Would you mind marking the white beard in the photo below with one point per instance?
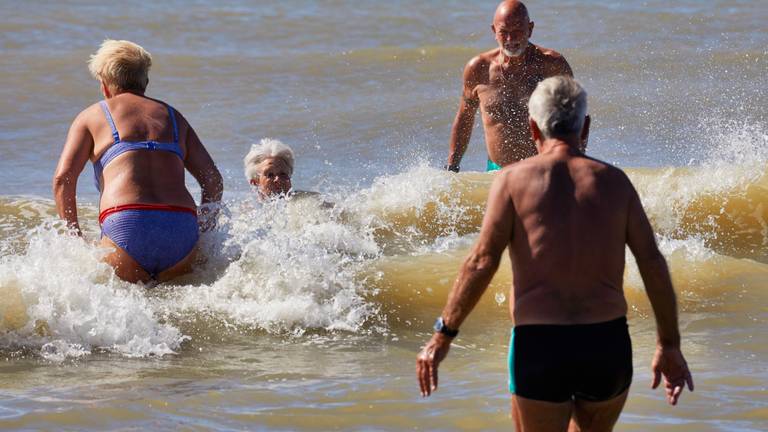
(517, 53)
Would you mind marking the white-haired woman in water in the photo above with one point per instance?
(269, 167)
(139, 148)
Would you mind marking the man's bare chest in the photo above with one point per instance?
(506, 96)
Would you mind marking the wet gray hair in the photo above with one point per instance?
(558, 106)
(265, 149)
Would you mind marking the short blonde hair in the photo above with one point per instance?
(121, 64)
(265, 149)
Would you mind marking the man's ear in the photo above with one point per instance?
(530, 29)
(585, 133)
(535, 131)
(493, 30)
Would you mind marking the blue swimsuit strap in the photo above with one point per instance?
(119, 147)
(111, 122)
(172, 115)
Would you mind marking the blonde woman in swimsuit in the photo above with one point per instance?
(140, 148)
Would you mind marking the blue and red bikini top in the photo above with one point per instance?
(119, 147)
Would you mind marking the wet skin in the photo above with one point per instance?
(566, 219)
(500, 82)
(274, 178)
(134, 177)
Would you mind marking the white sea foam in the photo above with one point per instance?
(294, 268)
(285, 266)
(60, 299)
(733, 156)
(291, 266)
(411, 189)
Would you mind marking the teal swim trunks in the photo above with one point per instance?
(492, 166)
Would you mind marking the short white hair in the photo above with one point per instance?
(265, 149)
(558, 106)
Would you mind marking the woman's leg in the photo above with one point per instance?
(180, 268)
(126, 268)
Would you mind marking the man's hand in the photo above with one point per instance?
(427, 361)
(670, 362)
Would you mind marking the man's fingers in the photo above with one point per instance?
(425, 389)
(656, 378)
(428, 377)
(675, 395)
(433, 377)
(689, 380)
(422, 377)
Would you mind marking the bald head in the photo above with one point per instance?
(512, 27)
(511, 9)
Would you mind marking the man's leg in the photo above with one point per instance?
(539, 416)
(597, 416)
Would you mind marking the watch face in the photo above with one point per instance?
(439, 324)
(441, 328)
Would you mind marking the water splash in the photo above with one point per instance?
(63, 301)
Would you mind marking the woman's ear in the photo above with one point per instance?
(105, 90)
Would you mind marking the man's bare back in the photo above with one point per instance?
(568, 237)
(500, 85)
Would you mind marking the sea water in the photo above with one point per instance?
(307, 316)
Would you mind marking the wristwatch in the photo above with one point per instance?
(440, 327)
(454, 168)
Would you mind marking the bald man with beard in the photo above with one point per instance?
(500, 82)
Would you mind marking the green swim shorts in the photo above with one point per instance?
(492, 166)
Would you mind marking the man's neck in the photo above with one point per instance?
(560, 145)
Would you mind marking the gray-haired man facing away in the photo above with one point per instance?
(566, 219)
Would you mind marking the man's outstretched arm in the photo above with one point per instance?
(668, 359)
(461, 131)
(474, 276)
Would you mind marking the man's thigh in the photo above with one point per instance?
(532, 415)
(598, 416)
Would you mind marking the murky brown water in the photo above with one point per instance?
(307, 318)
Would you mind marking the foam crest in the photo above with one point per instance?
(295, 270)
(721, 199)
(413, 188)
(62, 301)
(410, 210)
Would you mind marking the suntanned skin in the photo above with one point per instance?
(274, 178)
(134, 177)
(500, 85)
(565, 218)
